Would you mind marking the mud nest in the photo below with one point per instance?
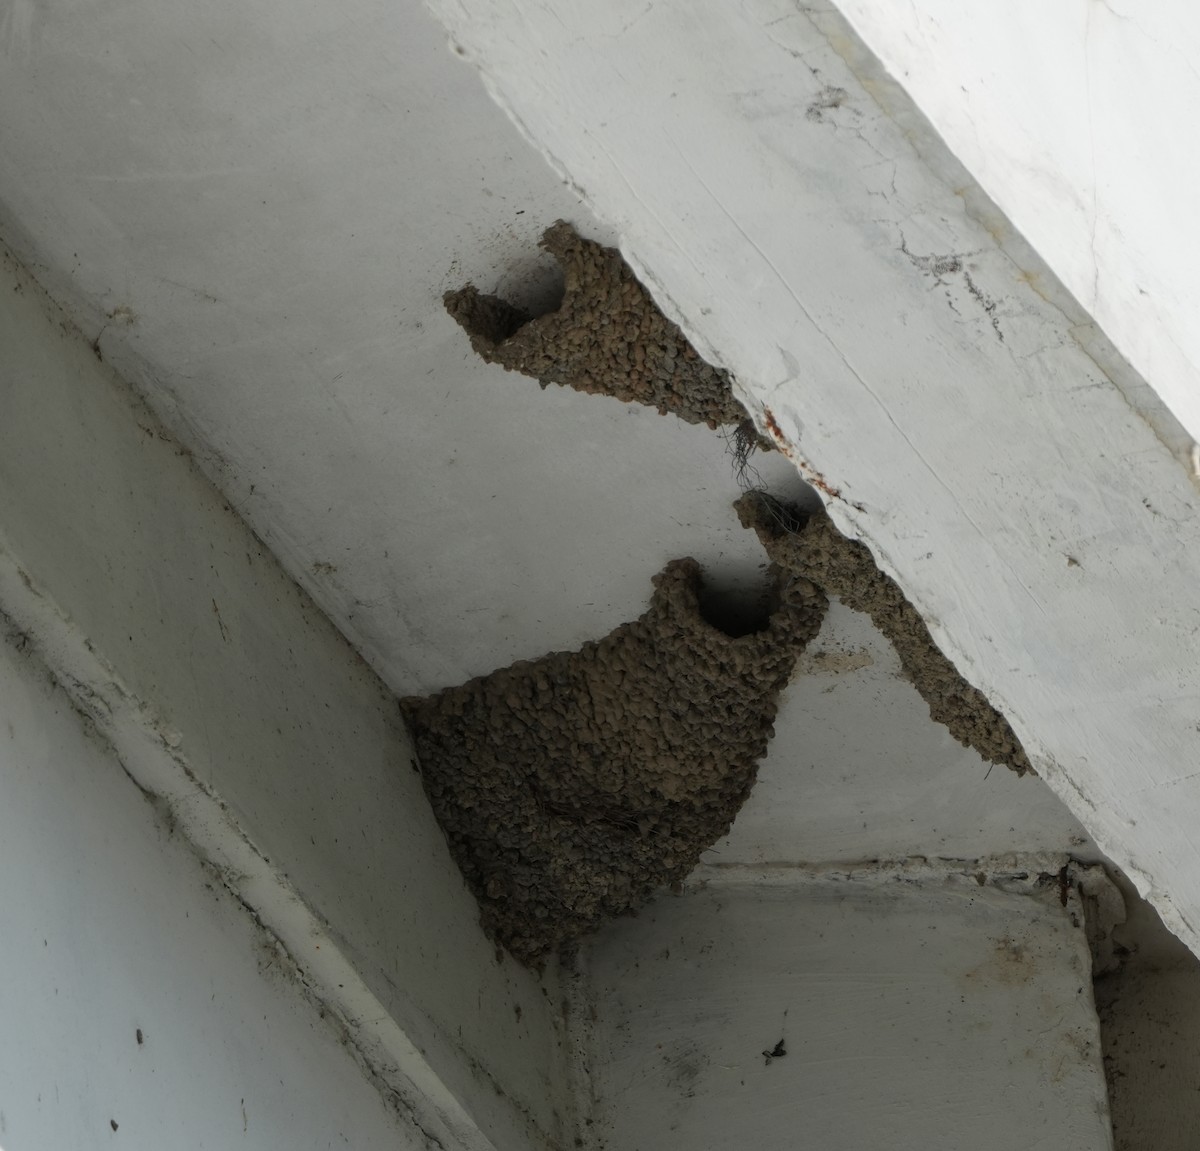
(811, 548)
(571, 787)
(607, 337)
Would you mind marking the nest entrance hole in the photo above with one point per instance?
(535, 286)
(528, 291)
(740, 609)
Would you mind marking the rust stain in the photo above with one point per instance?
(818, 481)
(811, 474)
(773, 426)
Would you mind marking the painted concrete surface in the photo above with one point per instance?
(142, 1008)
(137, 527)
(1149, 1019)
(253, 213)
(939, 1014)
(255, 210)
(1058, 111)
(285, 320)
(1148, 1023)
(163, 611)
(858, 771)
(943, 395)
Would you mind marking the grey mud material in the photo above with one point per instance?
(571, 787)
(607, 337)
(812, 549)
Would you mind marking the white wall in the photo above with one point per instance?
(259, 725)
(857, 770)
(917, 1009)
(1069, 114)
(114, 930)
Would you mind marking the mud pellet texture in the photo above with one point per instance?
(571, 787)
(813, 549)
(607, 337)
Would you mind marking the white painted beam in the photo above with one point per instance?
(811, 234)
(1068, 116)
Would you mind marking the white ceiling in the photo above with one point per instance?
(258, 210)
(857, 771)
(255, 210)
